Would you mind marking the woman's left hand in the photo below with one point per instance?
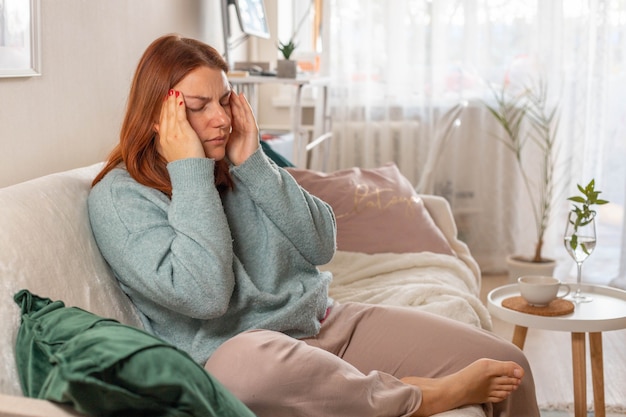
(244, 137)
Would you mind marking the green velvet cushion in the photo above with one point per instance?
(104, 368)
(280, 160)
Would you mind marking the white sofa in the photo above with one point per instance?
(47, 247)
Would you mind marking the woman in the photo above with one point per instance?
(217, 247)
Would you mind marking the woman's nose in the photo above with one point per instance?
(221, 117)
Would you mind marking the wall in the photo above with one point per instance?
(71, 114)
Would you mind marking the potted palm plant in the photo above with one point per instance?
(528, 118)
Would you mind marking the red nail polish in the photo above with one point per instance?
(177, 93)
(181, 103)
(171, 92)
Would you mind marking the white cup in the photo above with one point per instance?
(540, 290)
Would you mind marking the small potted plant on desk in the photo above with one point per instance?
(527, 118)
(286, 68)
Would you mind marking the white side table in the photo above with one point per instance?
(606, 312)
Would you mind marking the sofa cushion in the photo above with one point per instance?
(102, 367)
(377, 210)
(278, 159)
(47, 246)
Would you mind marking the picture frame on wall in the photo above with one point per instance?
(19, 38)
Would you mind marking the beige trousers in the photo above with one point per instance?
(352, 367)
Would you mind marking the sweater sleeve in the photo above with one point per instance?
(176, 254)
(304, 219)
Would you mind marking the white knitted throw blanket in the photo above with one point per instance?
(440, 284)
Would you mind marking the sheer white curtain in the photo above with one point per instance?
(410, 78)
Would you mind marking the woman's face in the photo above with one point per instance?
(207, 99)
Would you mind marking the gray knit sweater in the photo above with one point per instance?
(200, 268)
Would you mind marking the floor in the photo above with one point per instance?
(549, 354)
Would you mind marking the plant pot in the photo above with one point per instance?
(286, 68)
(518, 266)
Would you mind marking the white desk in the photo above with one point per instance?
(249, 85)
(606, 312)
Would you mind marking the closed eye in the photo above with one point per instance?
(225, 101)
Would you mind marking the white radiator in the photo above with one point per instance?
(372, 144)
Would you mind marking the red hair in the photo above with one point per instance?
(164, 63)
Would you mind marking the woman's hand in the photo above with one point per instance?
(177, 139)
(244, 136)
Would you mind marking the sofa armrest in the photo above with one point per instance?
(14, 406)
(441, 213)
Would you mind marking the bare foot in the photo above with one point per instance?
(483, 381)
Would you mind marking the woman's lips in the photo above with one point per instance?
(218, 140)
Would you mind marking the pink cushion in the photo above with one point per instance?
(377, 210)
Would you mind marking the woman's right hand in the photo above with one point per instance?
(177, 139)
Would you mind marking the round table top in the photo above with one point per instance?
(606, 312)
